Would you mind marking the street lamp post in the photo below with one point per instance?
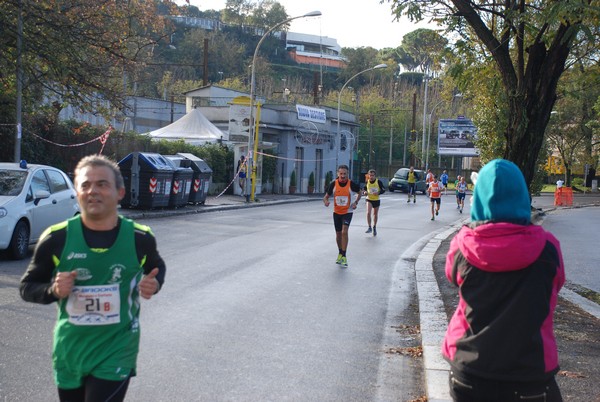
(338, 137)
(253, 134)
(424, 118)
(429, 133)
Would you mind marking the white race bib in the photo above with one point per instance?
(342, 200)
(94, 305)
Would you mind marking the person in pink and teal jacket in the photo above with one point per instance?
(500, 341)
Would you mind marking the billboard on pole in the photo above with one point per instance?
(457, 137)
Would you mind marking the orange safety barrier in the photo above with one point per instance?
(563, 197)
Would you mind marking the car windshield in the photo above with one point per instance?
(401, 174)
(12, 181)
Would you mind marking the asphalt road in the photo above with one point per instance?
(577, 231)
(254, 308)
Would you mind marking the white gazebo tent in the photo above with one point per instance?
(193, 128)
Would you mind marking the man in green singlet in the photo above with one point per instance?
(95, 267)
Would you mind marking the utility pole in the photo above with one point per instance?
(371, 139)
(205, 64)
(18, 134)
(391, 138)
(424, 122)
(413, 130)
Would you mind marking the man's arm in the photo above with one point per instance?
(150, 259)
(37, 283)
(328, 193)
(355, 188)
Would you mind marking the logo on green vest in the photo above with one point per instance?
(83, 274)
(116, 273)
(80, 256)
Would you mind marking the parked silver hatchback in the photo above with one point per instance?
(32, 197)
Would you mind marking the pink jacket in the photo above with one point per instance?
(508, 276)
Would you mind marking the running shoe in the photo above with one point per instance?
(458, 207)
(407, 201)
(369, 230)
(414, 200)
(344, 262)
(374, 231)
(437, 212)
(433, 218)
(461, 210)
(339, 259)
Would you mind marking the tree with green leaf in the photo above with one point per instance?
(569, 130)
(529, 44)
(425, 48)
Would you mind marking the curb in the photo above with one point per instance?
(150, 214)
(432, 316)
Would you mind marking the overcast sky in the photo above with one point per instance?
(353, 23)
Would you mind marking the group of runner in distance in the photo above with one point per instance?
(342, 189)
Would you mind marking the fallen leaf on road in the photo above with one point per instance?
(407, 329)
(571, 374)
(415, 352)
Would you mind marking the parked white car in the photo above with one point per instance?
(32, 197)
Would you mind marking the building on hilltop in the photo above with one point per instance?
(209, 24)
(305, 49)
(315, 50)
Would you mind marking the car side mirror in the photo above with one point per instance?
(40, 195)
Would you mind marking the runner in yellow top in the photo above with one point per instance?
(373, 189)
(412, 184)
(435, 194)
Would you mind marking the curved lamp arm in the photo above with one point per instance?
(252, 142)
(377, 67)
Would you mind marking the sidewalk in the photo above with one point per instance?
(221, 203)
(437, 301)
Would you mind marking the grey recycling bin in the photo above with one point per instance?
(201, 178)
(148, 179)
(182, 182)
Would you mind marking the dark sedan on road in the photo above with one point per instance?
(400, 181)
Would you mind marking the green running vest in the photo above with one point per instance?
(99, 322)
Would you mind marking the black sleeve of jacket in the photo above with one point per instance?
(330, 188)
(381, 188)
(355, 187)
(146, 247)
(36, 283)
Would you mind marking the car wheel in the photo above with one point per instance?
(19, 243)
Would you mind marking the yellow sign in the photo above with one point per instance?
(554, 165)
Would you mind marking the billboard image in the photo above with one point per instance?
(457, 137)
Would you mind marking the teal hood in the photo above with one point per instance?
(501, 194)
